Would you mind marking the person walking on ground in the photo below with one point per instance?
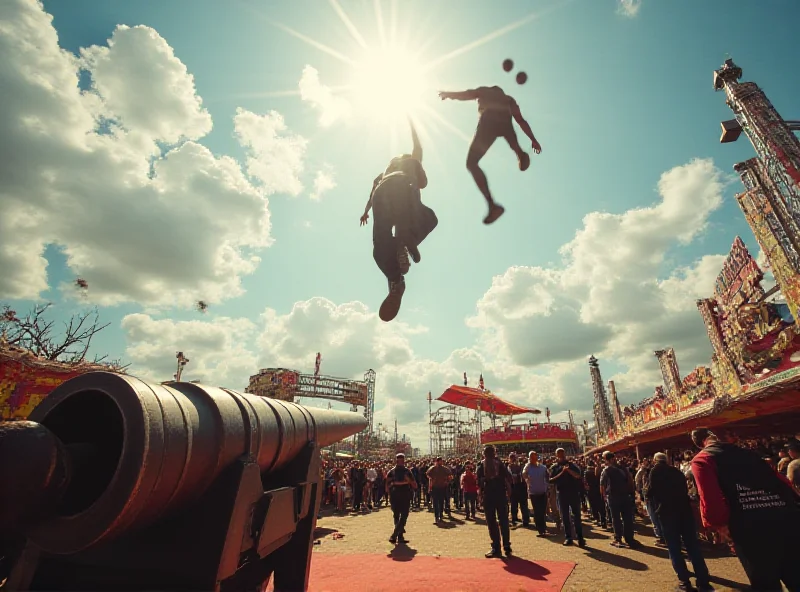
(438, 481)
(640, 481)
(400, 484)
(597, 506)
(666, 492)
(496, 110)
(519, 493)
(535, 475)
(752, 505)
(494, 481)
(617, 487)
(567, 478)
(469, 485)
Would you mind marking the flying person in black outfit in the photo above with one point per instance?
(496, 110)
(396, 201)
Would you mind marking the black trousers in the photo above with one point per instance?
(519, 500)
(539, 504)
(496, 512)
(567, 502)
(770, 556)
(396, 204)
(596, 506)
(400, 499)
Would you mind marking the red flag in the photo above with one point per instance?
(317, 364)
(480, 382)
(465, 379)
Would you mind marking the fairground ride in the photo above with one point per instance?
(289, 385)
(455, 427)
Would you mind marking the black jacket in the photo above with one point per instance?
(666, 488)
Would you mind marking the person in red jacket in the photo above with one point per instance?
(752, 505)
(469, 485)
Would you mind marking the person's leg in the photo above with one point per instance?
(563, 508)
(539, 503)
(654, 519)
(491, 510)
(672, 536)
(523, 502)
(438, 503)
(688, 531)
(615, 506)
(575, 505)
(514, 505)
(761, 560)
(505, 532)
(523, 158)
(404, 504)
(485, 136)
(627, 520)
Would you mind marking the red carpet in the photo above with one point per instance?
(418, 573)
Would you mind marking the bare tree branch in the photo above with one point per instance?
(35, 333)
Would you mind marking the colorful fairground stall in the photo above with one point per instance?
(750, 389)
(492, 420)
(752, 386)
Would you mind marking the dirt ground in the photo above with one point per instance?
(600, 567)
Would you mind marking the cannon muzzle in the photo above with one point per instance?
(134, 451)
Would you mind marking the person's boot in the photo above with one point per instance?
(402, 259)
(493, 553)
(508, 551)
(391, 304)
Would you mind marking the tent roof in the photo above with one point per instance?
(463, 396)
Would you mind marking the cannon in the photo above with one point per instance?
(115, 483)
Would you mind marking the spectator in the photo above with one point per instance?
(667, 493)
(567, 479)
(535, 476)
(617, 487)
(751, 505)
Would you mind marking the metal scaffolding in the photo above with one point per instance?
(454, 431)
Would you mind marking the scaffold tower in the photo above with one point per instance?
(453, 431)
(771, 201)
(603, 418)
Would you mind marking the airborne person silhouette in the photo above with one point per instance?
(396, 202)
(497, 110)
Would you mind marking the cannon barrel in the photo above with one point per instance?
(137, 450)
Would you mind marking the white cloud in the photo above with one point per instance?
(218, 350)
(276, 158)
(88, 171)
(630, 8)
(331, 107)
(145, 87)
(324, 181)
(606, 298)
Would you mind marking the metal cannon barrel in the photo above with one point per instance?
(138, 450)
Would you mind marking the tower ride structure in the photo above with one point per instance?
(771, 200)
(603, 418)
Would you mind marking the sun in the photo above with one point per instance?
(388, 83)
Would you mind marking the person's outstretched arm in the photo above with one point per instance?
(416, 151)
(463, 95)
(537, 148)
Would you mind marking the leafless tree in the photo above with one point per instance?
(36, 333)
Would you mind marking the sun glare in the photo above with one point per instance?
(389, 83)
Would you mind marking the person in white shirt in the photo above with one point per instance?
(372, 475)
(535, 476)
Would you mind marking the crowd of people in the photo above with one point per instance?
(743, 494)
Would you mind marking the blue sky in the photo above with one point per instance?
(615, 99)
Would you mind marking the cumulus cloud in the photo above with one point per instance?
(324, 181)
(331, 108)
(145, 86)
(606, 298)
(114, 177)
(219, 351)
(630, 8)
(276, 154)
